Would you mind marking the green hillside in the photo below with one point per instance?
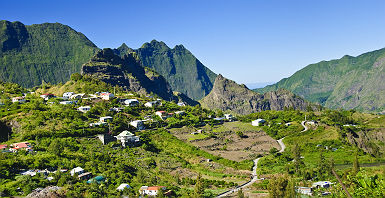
(349, 82)
(183, 71)
(50, 52)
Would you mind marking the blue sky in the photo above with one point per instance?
(247, 41)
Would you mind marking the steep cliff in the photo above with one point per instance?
(49, 52)
(184, 72)
(228, 95)
(127, 72)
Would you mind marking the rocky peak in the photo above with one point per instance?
(228, 95)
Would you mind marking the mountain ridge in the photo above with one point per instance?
(228, 95)
(184, 72)
(349, 82)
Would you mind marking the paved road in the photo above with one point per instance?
(304, 126)
(254, 174)
(283, 147)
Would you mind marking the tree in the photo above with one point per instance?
(240, 193)
(297, 158)
(281, 186)
(199, 188)
(56, 147)
(239, 133)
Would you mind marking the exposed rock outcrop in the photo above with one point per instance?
(228, 95)
(370, 140)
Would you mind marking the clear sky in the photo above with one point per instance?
(245, 40)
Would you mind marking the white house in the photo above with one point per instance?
(47, 96)
(18, 99)
(161, 114)
(305, 190)
(66, 102)
(67, 95)
(258, 122)
(105, 119)
(78, 170)
(153, 103)
(131, 102)
(106, 95)
(127, 138)
(138, 124)
(151, 190)
(312, 122)
(322, 184)
(84, 109)
(181, 104)
(77, 96)
(122, 187)
(180, 113)
(229, 117)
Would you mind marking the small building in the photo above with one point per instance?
(312, 122)
(305, 190)
(258, 122)
(21, 146)
(18, 99)
(106, 138)
(180, 113)
(288, 124)
(66, 102)
(151, 190)
(181, 104)
(161, 114)
(116, 109)
(3, 147)
(47, 96)
(229, 117)
(77, 96)
(152, 104)
(105, 119)
(98, 124)
(123, 186)
(131, 102)
(138, 124)
(106, 96)
(127, 138)
(322, 184)
(84, 176)
(98, 179)
(67, 95)
(78, 170)
(84, 109)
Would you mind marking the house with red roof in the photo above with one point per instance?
(106, 95)
(3, 147)
(151, 190)
(21, 146)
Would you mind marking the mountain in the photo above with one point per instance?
(349, 82)
(184, 72)
(228, 95)
(128, 73)
(50, 52)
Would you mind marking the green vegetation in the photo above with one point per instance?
(349, 82)
(62, 139)
(49, 52)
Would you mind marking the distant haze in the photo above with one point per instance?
(258, 85)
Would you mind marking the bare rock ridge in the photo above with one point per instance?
(127, 72)
(228, 95)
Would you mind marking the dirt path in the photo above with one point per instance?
(254, 175)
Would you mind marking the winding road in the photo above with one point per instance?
(254, 174)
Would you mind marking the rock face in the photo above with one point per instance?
(228, 95)
(127, 72)
(182, 70)
(50, 52)
(47, 192)
(349, 82)
(370, 140)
